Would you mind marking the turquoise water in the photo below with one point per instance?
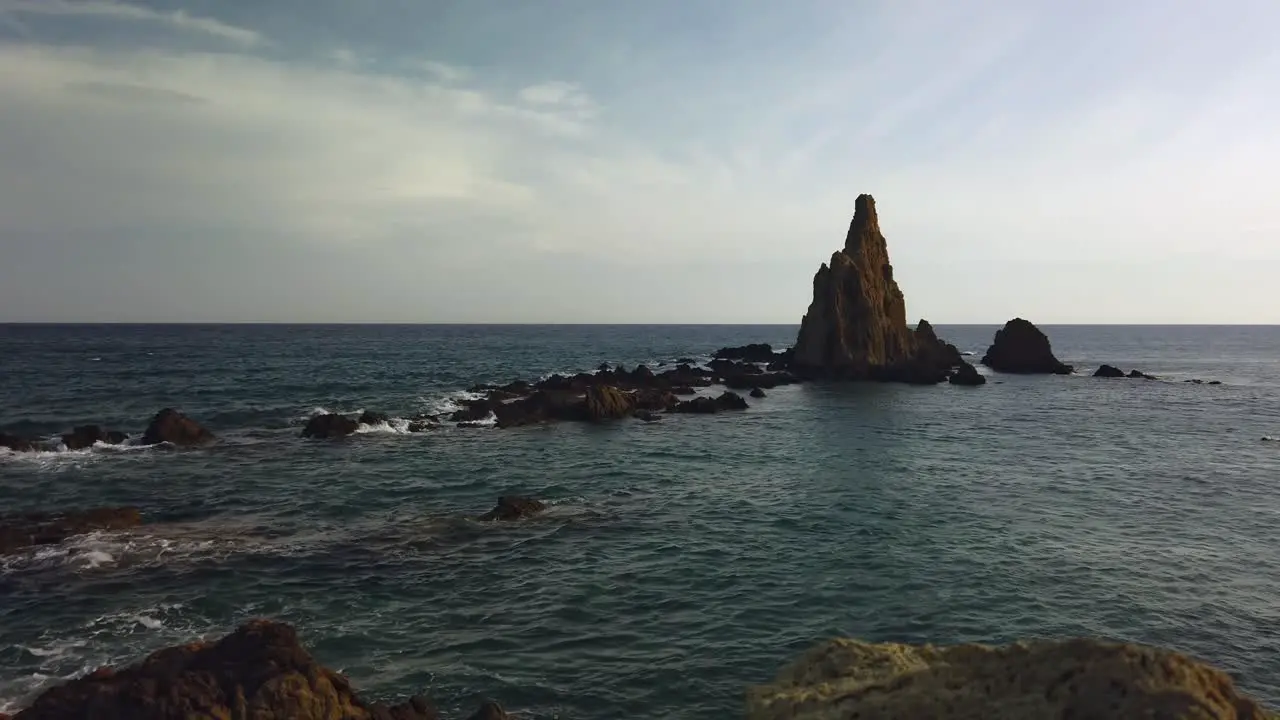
(681, 560)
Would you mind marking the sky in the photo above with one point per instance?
(666, 161)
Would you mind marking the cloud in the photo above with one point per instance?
(552, 93)
(109, 10)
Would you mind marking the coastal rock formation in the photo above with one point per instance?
(513, 507)
(369, 417)
(17, 443)
(25, 530)
(1020, 347)
(847, 678)
(968, 375)
(259, 672)
(606, 402)
(1139, 375)
(1109, 371)
(707, 406)
(856, 325)
(754, 352)
(173, 427)
(757, 393)
(329, 426)
(86, 436)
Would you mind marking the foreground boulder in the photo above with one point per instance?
(259, 672)
(513, 507)
(856, 325)
(1020, 347)
(173, 427)
(86, 436)
(26, 530)
(1026, 681)
(967, 375)
(329, 426)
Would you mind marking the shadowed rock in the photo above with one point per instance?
(1026, 681)
(17, 443)
(757, 393)
(1139, 375)
(329, 426)
(1020, 347)
(259, 672)
(967, 375)
(1108, 371)
(173, 427)
(25, 530)
(513, 507)
(369, 417)
(755, 353)
(86, 436)
(708, 406)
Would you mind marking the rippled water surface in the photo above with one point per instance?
(681, 560)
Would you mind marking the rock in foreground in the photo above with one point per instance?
(967, 375)
(259, 672)
(1072, 679)
(20, 531)
(329, 426)
(1020, 347)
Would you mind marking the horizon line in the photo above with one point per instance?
(291, 323)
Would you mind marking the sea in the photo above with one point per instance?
(680, 561)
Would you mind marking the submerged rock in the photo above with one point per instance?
(1139, 375)
(86, 436)
(513, 507)
(1020, 347)
(329, 426)
(1109, 371)
(647, 416)
(968, 375)
(173, 427)
(369, 417)
(25, 530)
(17, 443)
(260, 672)
(1091, 679)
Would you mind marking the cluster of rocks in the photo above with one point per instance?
(1078, 678)
(1111, 371)
(167, 426)
(25, 530)
(260, 670)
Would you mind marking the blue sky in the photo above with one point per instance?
(658, 161)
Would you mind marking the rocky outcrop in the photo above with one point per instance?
(1026, 681)
(369, 417)
(967, 375)
(754, 352)
(259, 672)
(329, 426)
(707, 405)
(758, 393)
(1139, 375)
(513, 507)
(606, 402)
(17, 443)
(173, 427)
(1020, 347)
(1108, 371)
(28, 529)
(86, 436)
(856, 325)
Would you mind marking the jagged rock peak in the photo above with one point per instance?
(864, 229)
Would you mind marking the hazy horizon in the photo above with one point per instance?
(565, 162)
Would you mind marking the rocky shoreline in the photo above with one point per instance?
(262, 670)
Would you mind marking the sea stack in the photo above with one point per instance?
(1020, 347)
(856, 326)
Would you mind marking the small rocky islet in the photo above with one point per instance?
(855, 329)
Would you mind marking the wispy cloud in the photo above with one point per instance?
(110, 10)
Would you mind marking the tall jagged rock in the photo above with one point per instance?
(856, 325)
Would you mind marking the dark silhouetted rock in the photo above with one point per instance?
(730, 368)
(542, 406)
(757, 393)
(647, 416)
(16, 443)
(968, 375)
(1215, 382)
(683, 390)
(489, 710)
(856, 325)
(707, 406)
(1139, 375)
(513, 507)
(1021, 348)
(329, 426)
(474, 410)
(418, 426)
(19, 531)
(655, 399)
(767, 380)
(86, 436)
(259, 672)
(642, 375)
(1109, 371)
(686, 361)
(173, 427)
(368, 417)
(754, 353)
(607, 403)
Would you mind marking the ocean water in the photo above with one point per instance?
(681, 560)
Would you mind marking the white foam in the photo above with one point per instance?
(393, 426)
(1268, 438)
